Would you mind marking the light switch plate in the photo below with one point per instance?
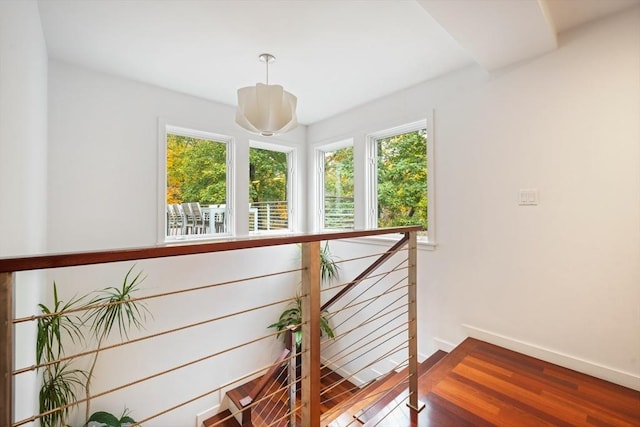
(528, 197)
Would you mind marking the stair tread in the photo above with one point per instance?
(380, 391)
(222, 419)
(355, 400)
(372, 412)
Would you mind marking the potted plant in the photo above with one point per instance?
(291, 317)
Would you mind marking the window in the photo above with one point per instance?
(336, 193)
(270, 188)
(197, 192)
(397, 177)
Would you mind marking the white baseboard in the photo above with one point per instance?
(597, 370)
(204, 415)
(444, 345)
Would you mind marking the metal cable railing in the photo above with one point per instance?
(203, 329)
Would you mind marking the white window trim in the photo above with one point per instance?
(292, 199)
(319, 154)
(427, 242)
(167, 127)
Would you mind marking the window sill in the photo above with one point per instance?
(199, 239)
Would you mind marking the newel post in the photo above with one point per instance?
(311, 334)
(413, 322)
(6, 349)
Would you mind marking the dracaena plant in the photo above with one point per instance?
(113, 308)
(109, 309)
(59, 379)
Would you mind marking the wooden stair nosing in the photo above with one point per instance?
(371, 394)
(371, 412)
(348, 404)
(221, 419)
(436, 373)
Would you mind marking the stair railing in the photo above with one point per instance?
(311, 362)
(369, 335)
(307, 410)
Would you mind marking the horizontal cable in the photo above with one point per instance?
(141, 380)
(148, 297)
(135, 340)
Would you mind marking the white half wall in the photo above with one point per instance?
(563, 275)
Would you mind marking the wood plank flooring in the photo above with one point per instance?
(479, 384)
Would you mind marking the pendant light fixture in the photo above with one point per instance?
(266, 109)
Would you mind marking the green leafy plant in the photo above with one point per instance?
(109, 309)
(106, 419)
(113, 307)
(291, 317)
(328, 267)
(59, 380)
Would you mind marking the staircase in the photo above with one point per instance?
(477, 384)
(341, 405)
(369, 400)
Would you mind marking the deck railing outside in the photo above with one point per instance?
(372, 309)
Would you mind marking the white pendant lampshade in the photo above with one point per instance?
(266, 109)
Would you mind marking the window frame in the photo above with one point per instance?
(292, 195)
(371, 176)
(165, 128)
(319, 155)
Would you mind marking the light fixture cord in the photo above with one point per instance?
(267, 64)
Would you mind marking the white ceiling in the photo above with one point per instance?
(332, 54)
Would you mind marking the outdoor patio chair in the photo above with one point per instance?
(188, 220)
(199, 222)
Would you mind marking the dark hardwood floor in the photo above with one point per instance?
(479, 384)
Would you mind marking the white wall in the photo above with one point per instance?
(23, 153)
(560, 280)
(103, 164)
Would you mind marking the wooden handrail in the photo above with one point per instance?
(365, 273)
(99, 257)
(259, 387)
